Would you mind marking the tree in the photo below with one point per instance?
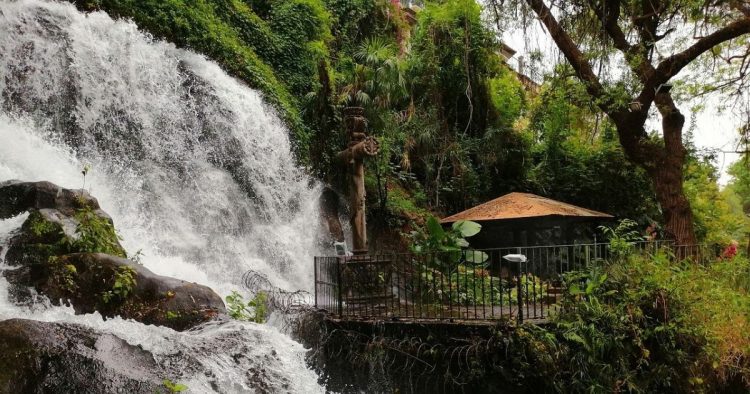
(635, 31)
(456, 133)
(739, 188)
(576, 160)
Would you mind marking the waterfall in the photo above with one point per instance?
(196, 171)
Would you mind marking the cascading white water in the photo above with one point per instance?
(191, 164)
(196, 171)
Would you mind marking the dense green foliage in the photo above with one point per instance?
(577, 157)
(718, 214)
(94, 234)
(737, 195)
(643, 325)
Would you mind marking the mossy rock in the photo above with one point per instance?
(17, 197)
(48, 233)
(60, 221)
(68, 250)
(89, 282)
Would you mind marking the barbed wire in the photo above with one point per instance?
(280, 300)
(414, 357)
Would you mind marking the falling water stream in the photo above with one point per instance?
(196, 171)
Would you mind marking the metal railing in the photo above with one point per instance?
(461, 285)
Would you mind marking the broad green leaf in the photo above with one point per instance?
(467, 228)
(476, 256)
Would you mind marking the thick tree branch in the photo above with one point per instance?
(609, 15)
(672, 123)
(672, 65)
(575, 57)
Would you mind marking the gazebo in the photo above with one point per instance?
(523, 219)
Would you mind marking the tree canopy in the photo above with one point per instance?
(648, 44)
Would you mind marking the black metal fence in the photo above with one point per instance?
(462, 284)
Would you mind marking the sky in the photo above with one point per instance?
(714, 130)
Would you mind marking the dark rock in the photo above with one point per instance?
(17, 197)
(42, 235)
(56, 252)
(88, 281)
(42, 357)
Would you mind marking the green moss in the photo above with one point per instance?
(40, 227)
(94, 234)
(62, 276)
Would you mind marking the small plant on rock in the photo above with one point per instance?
(173, 387)
(124, 282)
(95, 234)
(85, 171)
(137, 257)
(62, 275)
(171, 315)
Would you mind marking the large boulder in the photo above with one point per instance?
(42, 357)
(116, 286)
(17, 197)
(68, 250)
(49, 232)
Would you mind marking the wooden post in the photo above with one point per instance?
(329, 209)
(360, 146)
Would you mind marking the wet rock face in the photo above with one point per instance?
(17, 197)
(42, 357)
(58, 253)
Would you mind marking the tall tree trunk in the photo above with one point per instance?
(678, 217)
(664, 163)
(668, 175)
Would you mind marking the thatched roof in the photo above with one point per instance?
(523, 205)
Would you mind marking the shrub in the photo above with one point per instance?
(647, 324)
(255, 310)
(94, 234)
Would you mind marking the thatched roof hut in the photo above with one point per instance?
(523, 219)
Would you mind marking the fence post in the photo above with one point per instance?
(315, 269)
(518, 259)
(519, 293)
(341, 285)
